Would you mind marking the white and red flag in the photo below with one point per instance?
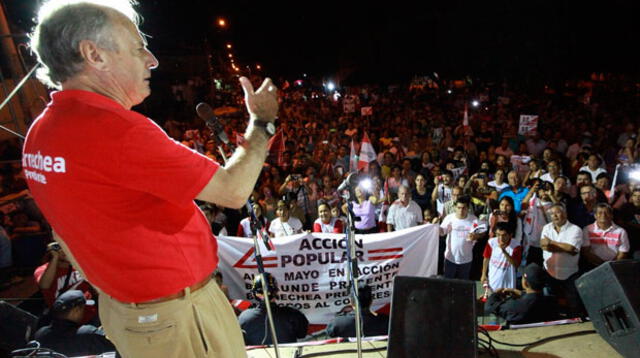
(367, 153)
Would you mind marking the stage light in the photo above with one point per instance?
(228, 45)
(222, 22)
(635, 175)
(475, 103)
(366, 184)
(449, 91)
(331, 86)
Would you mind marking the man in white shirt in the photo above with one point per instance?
(593, 167)
(462, 230)
(561, 242)
(404, 212)
(603, 240)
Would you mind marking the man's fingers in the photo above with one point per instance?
(247, 87)
(268, 86)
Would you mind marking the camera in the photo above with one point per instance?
(295, 177)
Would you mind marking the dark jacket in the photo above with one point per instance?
(290, 324)
(344, 325)
(72, 339)
(529, 308)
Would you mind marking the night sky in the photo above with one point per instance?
(390, 41)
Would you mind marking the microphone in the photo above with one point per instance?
(205, 112)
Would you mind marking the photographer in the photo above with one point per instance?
(297, 189)
(66, 334)
(527, 306)
(58, 276)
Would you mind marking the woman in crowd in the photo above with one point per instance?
(535, 170)
(629, 153)
(365, 208)
(284, 224)
(244, 227)
(498, 181)
(421, 194)
(505, 213)
(325, 222)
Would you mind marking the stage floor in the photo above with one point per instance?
(582, 346)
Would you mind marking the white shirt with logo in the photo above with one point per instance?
(459, 249)
(502, 274)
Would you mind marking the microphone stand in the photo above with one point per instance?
(352, 267)
(258, 226)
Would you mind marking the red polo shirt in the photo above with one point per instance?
(120, 193)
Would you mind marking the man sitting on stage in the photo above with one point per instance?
(373, 324)
(290, 323)
(66, 335)
(519, 307)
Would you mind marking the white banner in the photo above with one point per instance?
(311, 268)
(528, 124)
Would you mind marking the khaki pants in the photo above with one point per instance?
(200, 324)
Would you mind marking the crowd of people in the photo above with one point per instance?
(564, 198)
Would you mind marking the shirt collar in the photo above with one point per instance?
(92, 98)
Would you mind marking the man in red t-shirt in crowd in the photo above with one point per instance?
(119, 193)
(57, 276)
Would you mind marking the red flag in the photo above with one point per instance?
(367, 153)
(276, 147)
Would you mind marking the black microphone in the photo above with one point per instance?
(205, 112)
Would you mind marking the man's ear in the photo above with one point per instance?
(93, 55)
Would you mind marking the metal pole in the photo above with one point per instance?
(259, 262)
(352, 269)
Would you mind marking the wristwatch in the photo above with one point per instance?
(269, 127)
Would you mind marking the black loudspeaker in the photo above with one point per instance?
(611, 294)
(16, 326)
(432, 317)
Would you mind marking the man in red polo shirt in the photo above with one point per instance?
(119, 192)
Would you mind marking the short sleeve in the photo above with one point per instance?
(624, 241)
(586, 242)
(487, 251)
(152, 162)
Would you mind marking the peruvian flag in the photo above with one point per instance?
(367, 154)
(353, 158)
(276, 147)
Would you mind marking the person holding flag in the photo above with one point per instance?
(367, 154)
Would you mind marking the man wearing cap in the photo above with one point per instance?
(290, 323)
(66, 335)
(373, 324)
(523, 306)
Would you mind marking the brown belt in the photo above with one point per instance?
(193, 288)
